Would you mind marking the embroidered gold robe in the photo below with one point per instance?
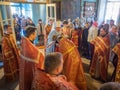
(116, 50)
(31, 59)
(43, 81)
(75, 37)
(99, 63)
(72, 67)
(61, 83)
(10, 58)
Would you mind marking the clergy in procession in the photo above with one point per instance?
(31, 59)
(66, 30)
(72, 66)
(10, 55)
(74, 37)
(51, 41)
(100, 60)
(116, 63)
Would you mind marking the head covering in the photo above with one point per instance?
(50, 19)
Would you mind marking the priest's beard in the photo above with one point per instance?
(103, 35)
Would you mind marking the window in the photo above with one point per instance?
(112, 11)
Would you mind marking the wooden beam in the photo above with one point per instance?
(35, 2)
(4, 3)
(29, 2)
(5, 20)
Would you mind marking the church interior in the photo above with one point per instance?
(20, 14)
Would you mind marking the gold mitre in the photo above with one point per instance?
(58, 24)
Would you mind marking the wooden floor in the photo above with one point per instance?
(92, 84)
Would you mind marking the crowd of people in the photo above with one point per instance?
(60, 68)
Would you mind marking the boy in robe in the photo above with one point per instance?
(50, 79)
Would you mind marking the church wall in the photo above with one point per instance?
(74, 8)
(70, 9)
(82, 5)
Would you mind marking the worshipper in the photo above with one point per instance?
(111, 24)
(17, 29)
(72, 66)
(23, 25)
(113, 36)
(110, 86)
(18, 19)
(113, 39)
(116, 63)
(100, 60)
(83, 21)
(92, 34)
(77, 23)
(51, 41)
(66, 31)
(40, 32)
(52, 79)
(80, 33)
(10, 55)
(71, 25)
(84, 41)
(31, 59)
(30, 22)
(48, 27)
